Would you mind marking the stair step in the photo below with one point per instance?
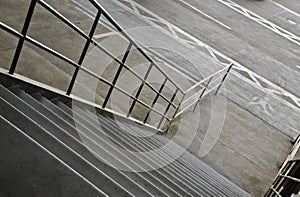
(42, 172)
(134, 177)
(175, 170)
(198, 168)
(55, 139)
(155, 178)
(180, 163)
(208, 182)
(163, 174)
(84, 139)
(162, 171)
(61, 120)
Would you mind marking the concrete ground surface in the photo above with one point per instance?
(254, 140)
(247, 150)
(249, 89)
(254, 45)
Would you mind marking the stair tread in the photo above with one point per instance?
(68, 118)
(39, 164)
(149, 175)
(51, 123)
(114, 174)
(36, 124)
(108, 119)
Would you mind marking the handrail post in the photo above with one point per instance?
(202, 93)
(176, 112)
(167, 108)
(22, 39)
(140, 90)
(155, 99)
(85, 49)
(117, 75)
(229, 68)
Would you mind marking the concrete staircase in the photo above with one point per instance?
(43, 153)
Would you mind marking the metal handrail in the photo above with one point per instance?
(44, 47)
(203, 80)
(95, 43)
(180, 110)
(275, 191)
(291, 178)
(122, 64)
(137, 46)
(286, 173)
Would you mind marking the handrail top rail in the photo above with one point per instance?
(89, 40)
(135, 44)
(207, 78)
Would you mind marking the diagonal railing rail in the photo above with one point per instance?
(187, 101)
(287, 181)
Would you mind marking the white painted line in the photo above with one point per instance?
(254, 76)
(276, 14)
(291, 22)
(134, 7)
(253, 16)
(206, 15)
(285, 8)
(33, 141)
(105, 35)
(89, 13)
(298, 66)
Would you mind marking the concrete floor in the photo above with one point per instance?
(250, 43)
(247, 152)
(252, 143)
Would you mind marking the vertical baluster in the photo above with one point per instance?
(84, 51)
(139, 90)
(202, 93)
(155, 99)
(117, 75)
(22, 39)
(229, 68)
(167, 108)
(176, 112)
